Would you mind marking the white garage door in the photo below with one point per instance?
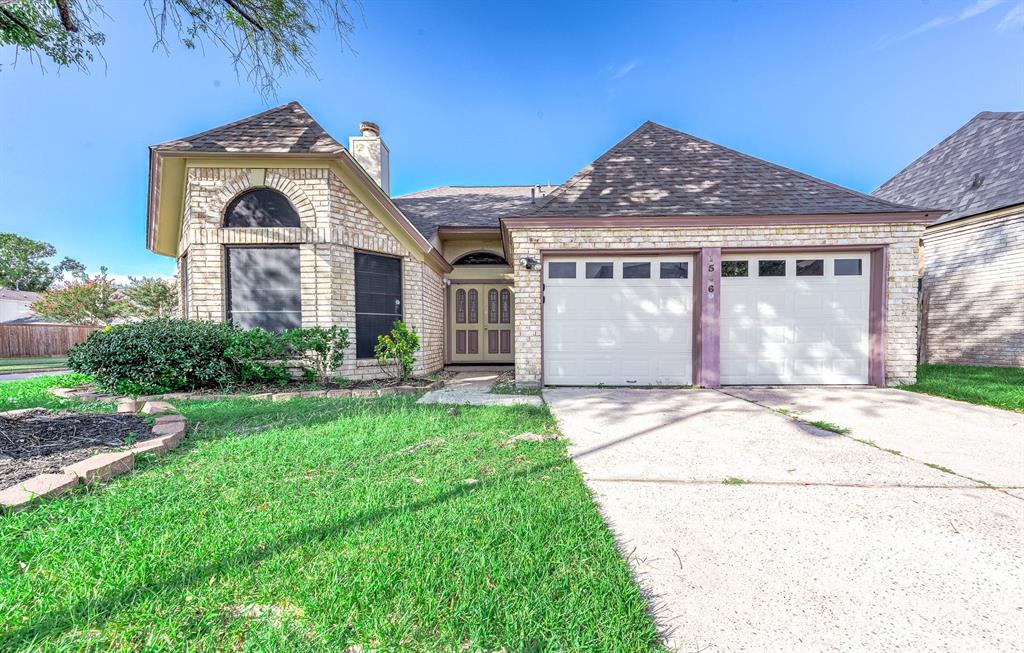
(795, 318)
(618, 320)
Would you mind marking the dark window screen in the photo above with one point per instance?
(261, 208)
(771, 268)
(263, 288)
(378, 299)
(636, 270)
(847, 267)
(675, 270)
(599, 270)
(814, 267)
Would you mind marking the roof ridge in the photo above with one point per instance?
(783, 168)
(588, 169)
(999, 115)
(237, 122)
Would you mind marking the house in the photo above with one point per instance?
(972, 285)
(16, 306)
(668, 260)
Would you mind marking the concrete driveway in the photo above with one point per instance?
(823, 543)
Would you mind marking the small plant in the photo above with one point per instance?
(829, 426)
(396, 351)
(732, 480)
(322, 349)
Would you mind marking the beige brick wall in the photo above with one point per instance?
(334, 224)
(974, 291)
(901, 324)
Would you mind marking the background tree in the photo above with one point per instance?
(85, 300)
(23, 264)
(148, 297)
(265, 39)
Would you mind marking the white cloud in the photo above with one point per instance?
(1014, 19)
(970, 11)
(618, 72)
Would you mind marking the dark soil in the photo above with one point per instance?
(41, 442)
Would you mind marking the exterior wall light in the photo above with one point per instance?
(529, 262)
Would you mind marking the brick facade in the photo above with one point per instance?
(334, 224)
(901, 287)
(973, 291)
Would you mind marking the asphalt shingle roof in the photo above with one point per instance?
(465, 206)
(657, 171)
(285, 129)
(978, 168)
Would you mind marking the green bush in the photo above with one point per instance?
(396, 352)
(166, 355)
(322, 349)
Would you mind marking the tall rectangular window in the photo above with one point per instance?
(378, 299)
(263, 287)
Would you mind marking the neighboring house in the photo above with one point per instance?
(16, 306)
(972, 286)
(668, 260)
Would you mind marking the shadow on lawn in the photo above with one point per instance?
(106, 607)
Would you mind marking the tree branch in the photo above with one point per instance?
(65, 16)
(12, 18)
(241, 12)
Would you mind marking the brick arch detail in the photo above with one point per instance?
(287, 187)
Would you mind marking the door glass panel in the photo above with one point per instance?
(561, 270)
(771, 268)
(599, 270)
(474, 315)
(492, 305)
(810, 268)
(673, 270)
(460, 306)
(847, 267)
(734, 268)
(636, 270)
(506, 306)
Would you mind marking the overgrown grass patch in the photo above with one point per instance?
(1001, 387)
(828, 426)
(319, 524)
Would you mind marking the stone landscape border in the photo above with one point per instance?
(84, 392)
(168, 429)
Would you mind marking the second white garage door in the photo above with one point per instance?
(795, 318)
(618, 320)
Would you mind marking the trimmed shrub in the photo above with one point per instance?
(166, 355)
(396, 352)
(322, 349)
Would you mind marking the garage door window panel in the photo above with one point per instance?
(771, 268)
(810, 267)
(600, 270)
(675, 270)
(735, 268)
(848, 267)
(561, 270)
(636, 270)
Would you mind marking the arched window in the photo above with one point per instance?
(460, 306)
(261, 207)
(474, 315)
(492, 306)
(481, 258)
(506, 306)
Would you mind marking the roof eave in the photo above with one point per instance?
(605, 221)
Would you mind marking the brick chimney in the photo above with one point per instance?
(371, 153)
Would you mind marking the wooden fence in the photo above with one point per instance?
(34, 340)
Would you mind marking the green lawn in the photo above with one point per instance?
(319, 524)
(29, 393)
(20, 364)
(1002, 387)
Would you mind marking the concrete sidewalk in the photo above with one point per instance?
(473, 387)
(823, 543)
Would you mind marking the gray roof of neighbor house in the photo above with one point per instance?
(18, 295)
(978, 168)
(657, 171)
(466, 206)
(287, 129)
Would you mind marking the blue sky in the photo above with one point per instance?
(494, 93)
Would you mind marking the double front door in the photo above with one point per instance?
(481, 319)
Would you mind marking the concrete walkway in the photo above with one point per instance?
(818, 542)
(474, 388)
(20, 376)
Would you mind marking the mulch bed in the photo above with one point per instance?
(41, 442)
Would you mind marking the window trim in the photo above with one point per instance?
(401, 291)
